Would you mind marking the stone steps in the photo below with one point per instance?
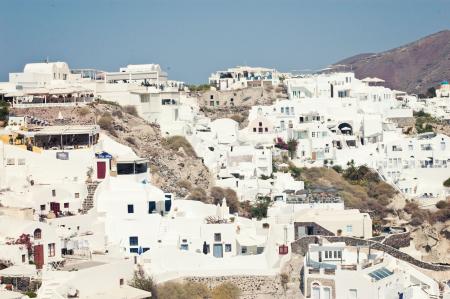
(88, 202)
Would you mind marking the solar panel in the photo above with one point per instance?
(380, 273)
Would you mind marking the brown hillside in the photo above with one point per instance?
(413, 67)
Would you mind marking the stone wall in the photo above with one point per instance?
(398, 240)
(301, 246)
(251, 286)
(316, 229)
(403, 121)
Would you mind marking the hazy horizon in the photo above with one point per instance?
(191, 39)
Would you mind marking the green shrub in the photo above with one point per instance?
(443, 204)
(144, 282)
(259, 209)
(447, 183)
(337, 168)
(4, 112)
(30, 294)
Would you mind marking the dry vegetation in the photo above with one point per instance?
(419, 216)
(215, 196)
(182, 290)
(176, 142)
(359, 187)
(167, 163)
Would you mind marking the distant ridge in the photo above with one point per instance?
(414, 67)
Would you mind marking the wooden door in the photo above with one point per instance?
(55, 207)
(101, 169)
(39, 256)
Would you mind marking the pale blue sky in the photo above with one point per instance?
(191, 39)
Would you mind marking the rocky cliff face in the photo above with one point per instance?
(413, 67)
(172, 170)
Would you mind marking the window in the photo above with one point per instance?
(211, 103)
(254, 129)
(349, 228)
(37, 234)
(134, 241)
(140, 167)
(125, 168)
(51, 249)
(184, 247)
(53, 192)
(244, 250)
(23, 258)
(145, 249)
(211, 97)
(151, 207)
(42, 207)
(260, 124)
(266, 130)
(134, 250)
(121, 281)
(217, 237)
(66, 205)
(339, 254)
(130, 209)
(77, 195)
(352, 294)
(10, 161)
(20, 161)
(227, 247)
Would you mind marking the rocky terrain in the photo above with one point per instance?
(414, 67)
(239, 112)
(169, 167)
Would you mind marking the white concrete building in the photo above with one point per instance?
(243, 77)
(333, 270)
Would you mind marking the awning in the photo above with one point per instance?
(247, 240)
(15, 94)
(103, 155)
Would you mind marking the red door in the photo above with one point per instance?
(55, 207)
(101, 170)
(39, 256)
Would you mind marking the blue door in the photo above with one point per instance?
(218, 250)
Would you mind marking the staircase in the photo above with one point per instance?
(88, 202)
(48, 290)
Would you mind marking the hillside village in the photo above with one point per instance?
(258, 184)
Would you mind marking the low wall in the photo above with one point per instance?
(250, 286)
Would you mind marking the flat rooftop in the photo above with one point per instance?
(63, 130)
